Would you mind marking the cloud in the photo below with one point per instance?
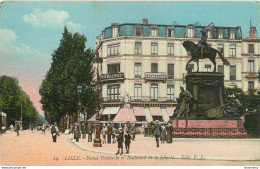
(51, 19)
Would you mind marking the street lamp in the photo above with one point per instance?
(79, 89)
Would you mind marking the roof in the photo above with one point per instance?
(110, 110)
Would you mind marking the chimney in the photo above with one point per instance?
(145, 21)
(252, 32)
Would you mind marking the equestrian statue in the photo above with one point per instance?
(202, 51)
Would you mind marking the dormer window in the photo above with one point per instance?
(209, 34)
(115, 32)
(154, 31)
(170, 32)
(138, 30)
(190, 32)
(232, 34)
(220, 34)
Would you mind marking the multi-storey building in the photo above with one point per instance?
(143, 66)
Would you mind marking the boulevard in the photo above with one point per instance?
(32, 148)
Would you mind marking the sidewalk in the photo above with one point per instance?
(184, 148)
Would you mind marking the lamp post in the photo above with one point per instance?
(97, 141)
(79, 89)
(21, 113)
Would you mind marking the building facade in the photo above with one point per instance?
(143, 66)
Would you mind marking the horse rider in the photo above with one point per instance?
(203, 42)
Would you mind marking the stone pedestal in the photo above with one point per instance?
(207, 88)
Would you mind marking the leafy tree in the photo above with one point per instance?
(71, 66)
(13, 100)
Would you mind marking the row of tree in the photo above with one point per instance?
(16, 103)
(71, 66)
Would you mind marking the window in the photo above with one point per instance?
(154, 48)
(154, 32)
(138, 48)
(190, 33)
(209, 34)
(138, 70)
(170, 48)
(113, 92)
(251, 49)
(220, 34)
(208, 68)
(138, 91)
(114, 68)
(221, 69)
(250, 85)
(232, 72)
(232, 34)
(113, 50)
(154, 67)
(232, 51)
(114, 32)
(138, 30)
(190, 68)
(251, 66)
(170, 32)
(170, 92)
(154, 91)
(221, 48)
(170, 71)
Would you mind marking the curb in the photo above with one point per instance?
(175, 157)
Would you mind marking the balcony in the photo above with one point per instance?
(112, 100)
(112, 77)
(155, 76)
(152, 99)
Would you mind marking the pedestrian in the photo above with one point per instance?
(83, 130)
(11, 128)
(133, 132)
(71, 131)
(120, 140)
(163, 134)
(89, 130)
(17, 127)
(54, 132)
(157, 131)
(127, 142)
(109, 133)
(43, 128)
(77, 132)
(114, 132)
(103, 133)
(169, 132)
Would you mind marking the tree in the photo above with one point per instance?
(13, 100)
(71, 65)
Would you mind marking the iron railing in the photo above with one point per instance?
(155, 76)
(209, 131)
(114, 76)
(110, 99)
(152, 99)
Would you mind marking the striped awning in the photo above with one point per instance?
(125, 115)
(110, 110)
(170, 110)
(93, 118)
(138, 111)
(155, 111)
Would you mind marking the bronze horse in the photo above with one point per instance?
(209, 52)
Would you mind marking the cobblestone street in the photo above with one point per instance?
(36, 149)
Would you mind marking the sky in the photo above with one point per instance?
(31, 31)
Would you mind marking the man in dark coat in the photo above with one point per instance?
(54, 132)
(109, 133)
(127, 142)
(133, 132)
(89, 129)
(157, 132)
(83, 130)
(120, 140)
(77, 132)
(17, 127)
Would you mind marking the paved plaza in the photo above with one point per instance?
(36, 149)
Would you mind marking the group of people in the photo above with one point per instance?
(78, 131)
(163, 132)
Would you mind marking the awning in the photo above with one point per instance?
(110, 110)
(155, 111)
(124, 115)
(170, 111)
(148, 116)
(165, 115)
(93, 118)
(138, 111)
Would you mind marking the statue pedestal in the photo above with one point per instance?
(207, 88)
